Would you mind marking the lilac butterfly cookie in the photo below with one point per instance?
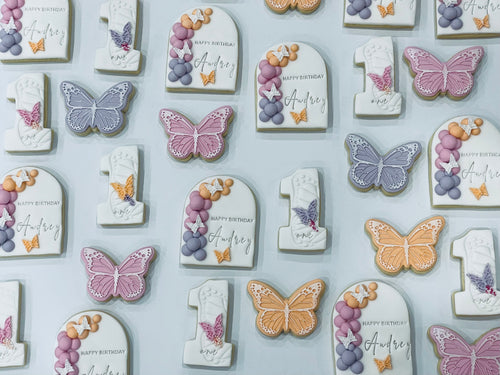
(124, 39)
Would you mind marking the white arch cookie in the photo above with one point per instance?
(380, 13)
(291, 86)
(464, 163)
(35, 30)
(31, 213)
(30, 132)
(372, 331)
(12, 352)
(91, 342)
(203, 52)
(218, 226)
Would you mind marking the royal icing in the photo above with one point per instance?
(372, 331)
(379, 97)
(458, 357)
(295, 314)
(480, 295)
(30, 132)
(371, 170)
(467, 18)
(304, 231)
(304, 6)
(433, 77)
(12, 352)
(205, 139)
(219, 224)
(122, 206)
(105, 114)
(91, 342)
(415, 251)
(203, 52)
(209, 347)
(291, 89)
(127, 278)
(35, 30)
(465, 164)
(380, 13)
(31, 209)
(120, 54)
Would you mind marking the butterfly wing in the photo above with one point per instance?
(422, 255)
(110, 107)
(280, 6)
(129, 186)
(302, 215)
(120, 190)
(312, 210)
(209, 330)
(488, 276)
(461, 68)
(487, 350)
(127, 33)
(218, 327)
(6, 332)
(116, 37)
(478, 282)
(270, 305)
(429, 78)
(131, 284)
(378, 81)
(211, 132)
(396, 163)
(79, 103)
(303, 303)
(364, 172)
(387, 77)
(101, 270)
(181, 142)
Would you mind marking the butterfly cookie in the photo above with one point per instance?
(303, 6)
(13, 352)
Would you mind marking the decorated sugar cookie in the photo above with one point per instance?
(91, 342)
(12, 352)
(464, 163)
(203, 52)
(415, 251)
(209, 347)
(35, 30)
(30, 132)
(120, 55)
(380, 13)
(372, 331)
(371, 170)
(458, 357)
(122, 206)
(31, 213)
(295, 314)
(379, 97)
(303, 232)
(219, 224)
(467, 19)
(453, 78)
(480, 295)
(303, 6)
(126, 280)
(205, 139)
(292, 89)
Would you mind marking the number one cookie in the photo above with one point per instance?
(480, 295)
(12, 353)
(29, 133)
(303, 232)
(120, 54)
(122, 206)
(380, 97)
(208, 347)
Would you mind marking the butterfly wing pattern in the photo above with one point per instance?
(304, 6)
(124, 39)
(369, 169)
(31, 118)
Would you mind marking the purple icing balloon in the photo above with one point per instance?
(200, 255)
(341, 365)
(357, 367)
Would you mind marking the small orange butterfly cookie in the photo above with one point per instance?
(278, 314)
(396, 252)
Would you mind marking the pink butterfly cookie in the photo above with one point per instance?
(214, 332)
(107, 280)
(433, 77)
(383, 82)
(205, 139)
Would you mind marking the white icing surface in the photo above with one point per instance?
(472, 9)
(104, 351)
(120, 164)
(476, 249)
(215, 48)
(304, 84)
(47, 19)
(13, 352)
(479, 163)
(302, 187)
(231, 219)
(376, 55)
(27, 91)
(384, 320)
(211, 300)
(39, 211)
(113, 58)
(404, 15)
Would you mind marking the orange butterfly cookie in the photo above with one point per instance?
(385, 364)
(38, 46)
(384, 11)
(298, 117)
(33, 244)
(480, 23)
(480, 192)
(125, 192)
(223, 255)
(210, 78)
(304, 6)
(396, 252)
(278, 314)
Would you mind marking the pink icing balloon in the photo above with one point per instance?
(207, 205)
(443, 133)
(190, 33)
(64, 357)
(444, 155)
(358, 341)
(355, 325)
(344, 328)
(357, 313)
(438, 165)
(189, 210)
(4, 196)
(19, 25)
(346, 313)
(439, 147)
(261, 79)
(58, 364)
(339, 305)
(7, 14)
(196, 202)
(73, 357)
(203, 230)
(11, 208)
(338, 321)
(449, 142)
(194, 214)
(58, 352)
(75, 344)
(64, 343)
(176, 42)
(188, 57)
(13, 196)
(277, 82)
(263, 63)
(11, 4)
(268, 71)
(20, 3)
(17, 13)
(180, 32)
